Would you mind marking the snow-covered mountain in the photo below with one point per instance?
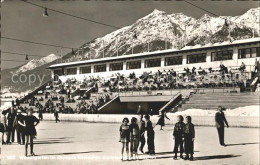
(34, 63)
(177, 29)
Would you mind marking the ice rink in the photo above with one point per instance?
(97, 143)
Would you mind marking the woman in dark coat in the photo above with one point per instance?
(161, 119)
(30, 122)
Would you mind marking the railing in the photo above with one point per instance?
(168, 92)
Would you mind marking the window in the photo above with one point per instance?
(100, 68)
(196, 58)
(116, 66)
(153, 63)
(133, 65)
(71, 71)
(249, 52)
(85, 69)
(173, 60)
(57, 72)
(222, 55)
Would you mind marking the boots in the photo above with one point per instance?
(32, 153)
(26, 146)
(175, 156)
(187, 157)
(191, 157)
(181, 156)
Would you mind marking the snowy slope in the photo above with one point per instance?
(37, 63)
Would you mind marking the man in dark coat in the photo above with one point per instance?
(220, 121)
(150, 135)
(142, 131)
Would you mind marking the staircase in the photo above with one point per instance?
(226, 100)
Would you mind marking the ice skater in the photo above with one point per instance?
(134, 135)
(56, 115)
(19, 128)
(3, 127)
(125, 137)
(161, 120)
(189, 137)
(177, 136)
(11, 125)
(40, 114)
(220, 120)
(30, 122)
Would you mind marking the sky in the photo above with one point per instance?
(23, 21)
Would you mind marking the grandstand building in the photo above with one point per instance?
(108, 85)
(231, 54)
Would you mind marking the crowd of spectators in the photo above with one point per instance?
(61, 92)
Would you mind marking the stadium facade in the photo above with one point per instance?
(231, 54)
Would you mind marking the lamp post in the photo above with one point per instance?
(61, 54)
(116, 46)
(132, 45)
(166, 39)
(103, 48)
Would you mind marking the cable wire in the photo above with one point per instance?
(38, 43)
(14, 60)
(86, 19)
(200, 8)
(22, 54)
(215, 14)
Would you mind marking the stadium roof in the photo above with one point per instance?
(159, 52)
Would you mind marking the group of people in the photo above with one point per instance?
(24, 125)
(183, 135)
(85, 108)
(133, 133)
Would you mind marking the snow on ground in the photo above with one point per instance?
(241, 111)
(7, 97)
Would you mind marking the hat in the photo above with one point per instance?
(19, 111)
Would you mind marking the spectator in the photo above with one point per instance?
(193, 70)
(210, 70)
(242, 67)
(256, 66)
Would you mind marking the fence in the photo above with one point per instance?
(234, 121)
